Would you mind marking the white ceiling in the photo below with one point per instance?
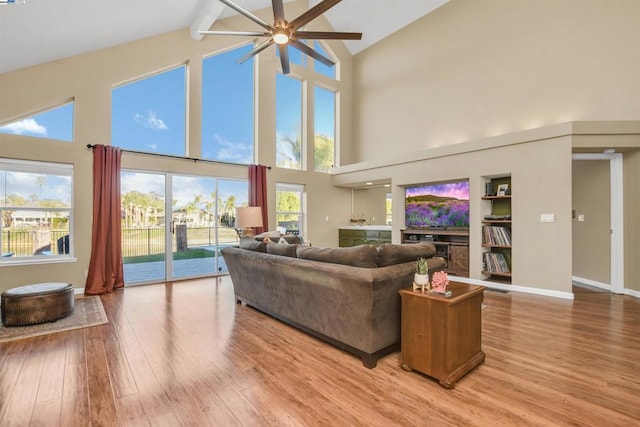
(40, 31)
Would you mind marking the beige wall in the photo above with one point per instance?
(631, 195)
(539, 164)
(88, 79)
(473, 69)
(370, 204)
(591, 196)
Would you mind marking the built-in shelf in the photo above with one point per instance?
(496, 230)
(494, 273)
(452, 245)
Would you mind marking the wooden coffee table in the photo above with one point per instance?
(441, 337)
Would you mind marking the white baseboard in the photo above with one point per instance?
(632, 293)
(625, 291)
(78, 291)
(515, 288)
(590, 282)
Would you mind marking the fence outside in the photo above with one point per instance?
(23, 242)
(135, 241)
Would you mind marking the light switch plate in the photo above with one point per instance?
(547, 218)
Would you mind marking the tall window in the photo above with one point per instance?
(319, 66)
(37, 210)
(288, 122)
(324, 129)
(227, 107)
(55, 123)
(388, 209)
(289, 204)
(315, 93)
(150, 114)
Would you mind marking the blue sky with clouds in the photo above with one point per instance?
(55, 123)
(149, 115)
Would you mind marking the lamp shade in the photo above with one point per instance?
(249, 217)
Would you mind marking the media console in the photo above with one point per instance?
(451, 244)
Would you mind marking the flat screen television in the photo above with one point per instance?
(437, 205)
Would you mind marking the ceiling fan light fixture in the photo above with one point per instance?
(284, 33)
(281, 36)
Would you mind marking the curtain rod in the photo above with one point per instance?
(92, 146)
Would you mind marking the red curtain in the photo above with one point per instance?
(258, 192)
(105, 267)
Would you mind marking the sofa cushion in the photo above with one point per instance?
(281, 249)
(391, 254)
(356, 256)
(252, 245)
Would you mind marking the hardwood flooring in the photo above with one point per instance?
(186, 354)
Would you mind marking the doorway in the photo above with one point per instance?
(185, 243)
(598, 221)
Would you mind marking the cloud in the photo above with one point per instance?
(150, 121)
(236, 152)
(26, 126)
(153, 147)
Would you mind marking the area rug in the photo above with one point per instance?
(88, 311)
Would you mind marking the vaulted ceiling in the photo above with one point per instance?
(40, 31)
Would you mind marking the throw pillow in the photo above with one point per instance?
(391, 254)
(283, 241)
(356, 256)
(274, 233)
(252, 245)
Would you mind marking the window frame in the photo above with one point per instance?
(41, 168)
(69, 102)
(292, 188)
(254, 109)
(185, 100)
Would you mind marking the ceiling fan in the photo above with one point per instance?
(284, 33)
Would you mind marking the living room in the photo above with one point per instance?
(471, 90)
(590, 116)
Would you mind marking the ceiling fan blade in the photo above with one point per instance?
(312, 13)
(262, 46)
(278, 12)
(328, 35)
(248, 14)
(312, 53)
(235, 33)
(284, 58)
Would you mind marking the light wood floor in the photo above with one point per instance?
(186, 354)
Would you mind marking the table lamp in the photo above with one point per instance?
(247, 218)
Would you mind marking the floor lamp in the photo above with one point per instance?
(247, 218)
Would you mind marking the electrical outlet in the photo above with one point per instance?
(86, 274)
(326, 218)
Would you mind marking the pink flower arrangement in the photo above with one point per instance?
(439, 281)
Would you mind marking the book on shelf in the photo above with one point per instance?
(495, 262)
(496, 235)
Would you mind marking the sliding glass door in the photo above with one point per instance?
(187, 243)
(143, 226)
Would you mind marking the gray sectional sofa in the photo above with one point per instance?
(345, 296)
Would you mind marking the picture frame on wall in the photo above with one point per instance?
(502, 189)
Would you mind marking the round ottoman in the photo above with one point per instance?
(39, 303)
